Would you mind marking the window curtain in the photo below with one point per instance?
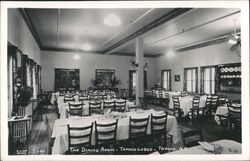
(34, 80)
(12, 65)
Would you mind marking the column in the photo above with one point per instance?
(140, 70)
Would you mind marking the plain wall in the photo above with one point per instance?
(20, 35)
(205, 56)
(87, 65)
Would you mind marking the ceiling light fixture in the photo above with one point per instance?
(76, 57)
(86, 46)
(233, 38)
(170, 52)
(235, 41)
(112, 20)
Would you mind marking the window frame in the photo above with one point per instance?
(185, 79)
(202, 68)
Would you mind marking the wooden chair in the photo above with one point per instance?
(234, 117)
(76, 109)
(159, 127)
(214, 103)
(222, 100)
(78, 138)
(190, 139)
(207, 109)
(176, 111)
(94, 97)
(108, 104)
(138, 130)
(105, 134)
(120, 105)
(68, 98)
(143, 103)
(49, 133)
(195, 107)
(224, 123)
(83, 97)
(103, 96)
(124, 93)
(155, 99)
(43, 103)
(95, 107)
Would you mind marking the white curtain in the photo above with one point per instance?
(10, 86)
(28, 74)
(34, 82)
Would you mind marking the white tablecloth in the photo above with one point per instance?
(171, 94)
(63, 107)
(186, 103)
(229, 147)
(61, 136)
(60, 99)
(221, 110)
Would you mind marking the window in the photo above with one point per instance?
(208, 80)
(190, 80)
(166, 79)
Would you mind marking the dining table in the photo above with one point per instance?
(186, 103)
(60, 132)
(223, 110)
(56, 97)
(63, 108)
(170, 93)
(223, 146)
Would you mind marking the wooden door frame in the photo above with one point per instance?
(169, 70)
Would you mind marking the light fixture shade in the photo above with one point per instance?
(86, 46)
(233, 39)
(112, 20)
(76, 57)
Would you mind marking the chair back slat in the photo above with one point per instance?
(138, 127)
(108, 104)
(95, 107)
(159, 124)
(79, 137)
(106, 133)
(120, 106)
(76, 109)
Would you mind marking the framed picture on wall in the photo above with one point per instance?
(177, 78)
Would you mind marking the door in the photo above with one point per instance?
(67, 79)
(132, 82)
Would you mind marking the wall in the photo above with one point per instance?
(87, 65)
(210, 55)
(20, 35)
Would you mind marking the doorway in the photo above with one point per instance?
(132, 82)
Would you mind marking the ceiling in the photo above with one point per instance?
(161, 28)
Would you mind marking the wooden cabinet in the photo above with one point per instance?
(229, 78)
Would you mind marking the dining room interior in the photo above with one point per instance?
(124, 81)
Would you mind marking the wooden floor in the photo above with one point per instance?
(39, 141)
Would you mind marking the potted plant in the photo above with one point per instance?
(24, 96)
(114, 82)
